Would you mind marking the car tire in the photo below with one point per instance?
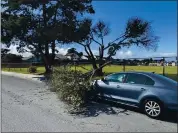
(153, 108)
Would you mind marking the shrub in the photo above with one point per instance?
(32, 69)
(72, 87)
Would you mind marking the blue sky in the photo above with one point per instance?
(162, 14)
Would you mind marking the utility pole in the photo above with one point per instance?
(124, 65)
(163, 66)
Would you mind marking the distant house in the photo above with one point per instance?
(60, 57)
(72, 56)
(157, 63)
(172, 63)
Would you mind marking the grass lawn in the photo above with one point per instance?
(170, 71)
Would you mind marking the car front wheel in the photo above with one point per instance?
(153, 108)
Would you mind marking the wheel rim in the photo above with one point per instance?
(152, 108)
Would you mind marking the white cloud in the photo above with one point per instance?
(166, 54)
(124, 54)
(119, 54)
(13, 50)
(62, 51)
(95, 52)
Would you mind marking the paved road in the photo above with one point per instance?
(28, 106)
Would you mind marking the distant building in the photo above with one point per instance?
(60, 57)
(172, 63)
(72, 56)
(154, 64)
(157, 63)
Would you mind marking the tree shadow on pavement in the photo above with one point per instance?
(41, 78)
(170, 116)
(95, 108)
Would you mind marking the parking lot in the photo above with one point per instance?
(29, 106)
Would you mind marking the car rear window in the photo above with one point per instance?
(139, 79)
(165, 79)
(149, 81)
(135, 78)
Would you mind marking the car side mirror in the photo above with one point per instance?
(103, 79)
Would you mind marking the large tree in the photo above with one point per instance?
(38, 26)
(137, 32)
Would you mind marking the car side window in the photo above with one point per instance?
(149, 81)
(139, 79)
(116, 77)
(136, 78)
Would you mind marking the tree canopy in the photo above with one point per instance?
(137, 32)
(39, 26)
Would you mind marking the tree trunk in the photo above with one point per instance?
(46, 55)
(99, 72)
(47, 67)
(47, 64)
(53, 53)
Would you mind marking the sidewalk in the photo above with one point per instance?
(24, 76)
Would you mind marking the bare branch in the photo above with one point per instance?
(96, 41)
(117, 39)
(81, 44)
(111, 43)
(84, 68)
(87, 53)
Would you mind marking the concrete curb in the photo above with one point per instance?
(24, 76)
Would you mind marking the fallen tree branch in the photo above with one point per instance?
(94, 71)
(84, 68)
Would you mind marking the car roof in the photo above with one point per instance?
(139, 72)
(157, 78)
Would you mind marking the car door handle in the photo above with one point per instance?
(143, 89)
(118, 86)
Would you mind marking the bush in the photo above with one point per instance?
(72, 87)
(32, 69)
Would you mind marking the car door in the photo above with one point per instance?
(135, 85)
(111, 86)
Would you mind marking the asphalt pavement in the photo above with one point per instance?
(29, 106)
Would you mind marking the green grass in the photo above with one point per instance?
(170, 71)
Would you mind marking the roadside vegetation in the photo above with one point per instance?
(72, 87)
